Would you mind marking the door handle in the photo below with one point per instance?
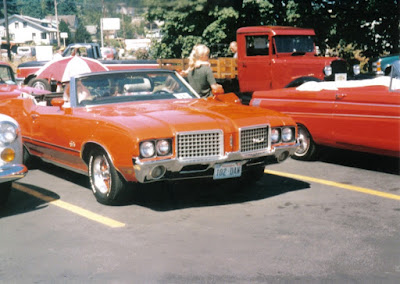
(340, 96)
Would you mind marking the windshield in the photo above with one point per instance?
(6, 75)
(130, 86)
(294, 43)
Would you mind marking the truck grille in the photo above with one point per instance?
(200, 145)
(254, 139)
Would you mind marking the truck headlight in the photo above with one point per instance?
(8, 132)
(163, 147)
(275, 135)
(328, 70)
(287, 134)
(147, 149)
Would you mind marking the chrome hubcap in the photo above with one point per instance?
(101, 175)
(304, 140)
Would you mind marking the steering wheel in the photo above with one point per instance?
(162, 92)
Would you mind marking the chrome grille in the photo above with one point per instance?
(200, 145)
(253, 139)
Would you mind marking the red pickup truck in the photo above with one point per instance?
(26, 71)
(272, 57)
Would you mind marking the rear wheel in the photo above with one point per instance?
(107, 184)
(41, 84)
(307, 149)
(5, 192)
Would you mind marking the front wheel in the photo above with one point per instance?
(5, 192)
(40, 84)
(106, 182)
(307, 149)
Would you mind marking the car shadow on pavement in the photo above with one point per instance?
(366, 161)
(20, 202)
(166, 196)
(169, 196)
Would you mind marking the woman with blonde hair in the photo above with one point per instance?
(200, 75)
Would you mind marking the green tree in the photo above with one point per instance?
(82, 35)
(63, 28)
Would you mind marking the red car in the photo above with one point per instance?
(362, 115)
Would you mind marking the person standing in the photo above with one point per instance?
(199, 73)
(233, 48)
(58, 54)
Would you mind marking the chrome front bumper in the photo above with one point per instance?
(144, 169)
(12, 172)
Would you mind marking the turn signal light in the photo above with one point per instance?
(8, 155)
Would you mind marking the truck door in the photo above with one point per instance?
(254, 72)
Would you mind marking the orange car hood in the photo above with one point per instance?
(186, 115)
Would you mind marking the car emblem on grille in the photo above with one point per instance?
(258, 140)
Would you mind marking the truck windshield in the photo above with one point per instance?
(6, 75)
(294, 43)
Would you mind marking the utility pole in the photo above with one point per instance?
(6, 26)
(58, 31)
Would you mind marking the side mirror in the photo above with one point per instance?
(228, 98)
(57, 102)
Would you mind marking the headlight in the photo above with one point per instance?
(275, 135)
(147, 149)
(328, 70)
(163, 147)
(356, 69)
(287, 134)
(8, 132)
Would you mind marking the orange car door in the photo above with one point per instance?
(51, 133)
(367, 117)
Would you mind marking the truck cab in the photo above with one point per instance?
(271, 57)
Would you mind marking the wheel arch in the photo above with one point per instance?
(90, 146)
(298, 81)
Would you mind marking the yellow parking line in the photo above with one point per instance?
(70, 207)
(336, 184)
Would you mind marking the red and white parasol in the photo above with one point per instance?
(62, 69)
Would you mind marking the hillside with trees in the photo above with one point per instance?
(346, 28)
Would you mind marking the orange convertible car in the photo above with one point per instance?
(362, 115)
(127, 127)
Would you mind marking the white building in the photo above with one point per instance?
(24, 29)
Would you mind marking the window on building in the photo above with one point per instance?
(33, 36)
(16, 25)
(25, 24)
(44, 35)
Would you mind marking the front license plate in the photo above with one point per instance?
(228, 170)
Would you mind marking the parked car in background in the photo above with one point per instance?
(11, 155)
(8, 86)
(127, 127)
(27, 51)
(382, 65)
(362, 115)
(109, 53)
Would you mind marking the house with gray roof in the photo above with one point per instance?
(29, 30)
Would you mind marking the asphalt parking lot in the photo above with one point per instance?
(334, 220)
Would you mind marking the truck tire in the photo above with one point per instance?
(307, 150)
(41, 84)
(297, 82)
